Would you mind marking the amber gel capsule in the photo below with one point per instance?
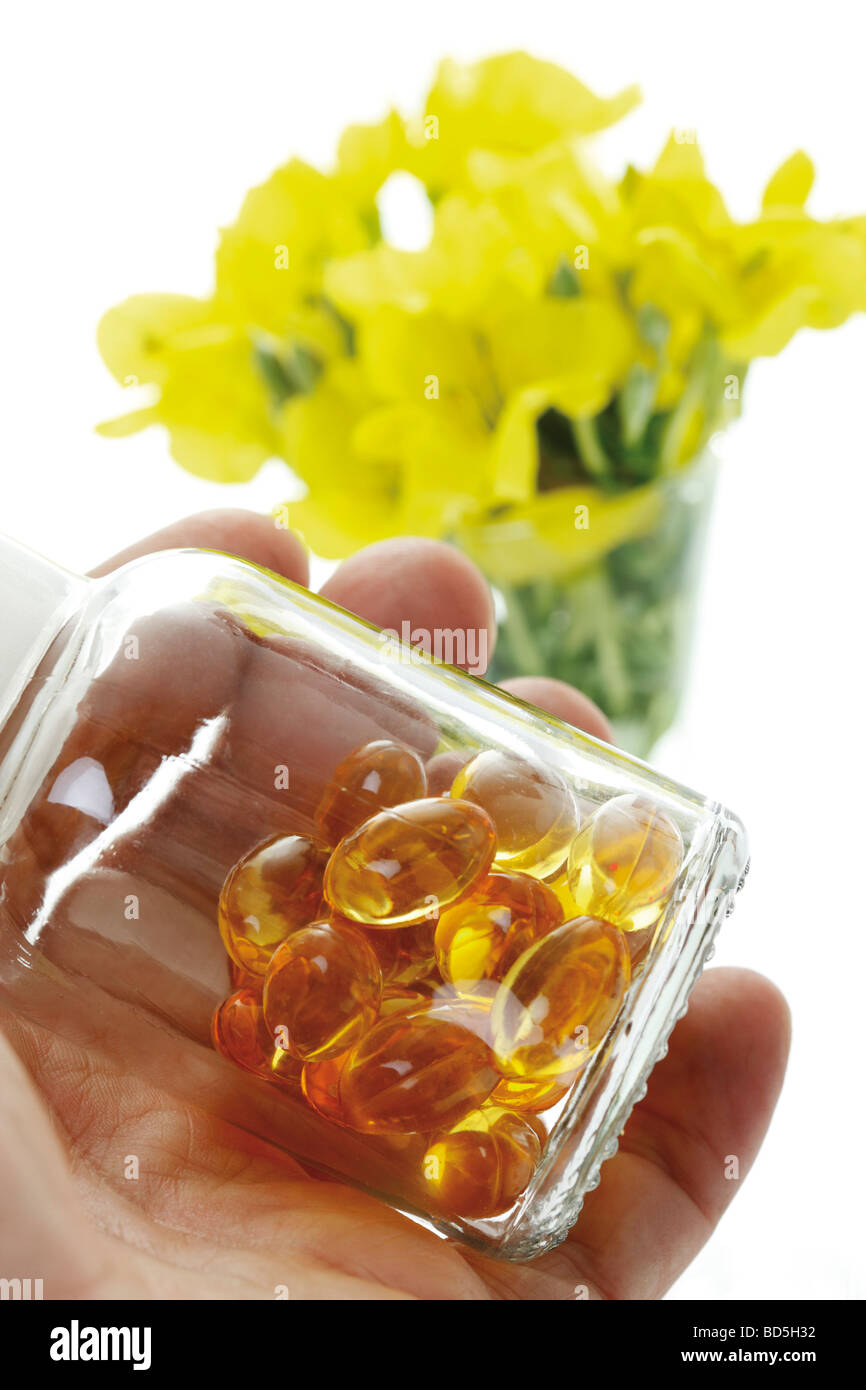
(322, 991)
(624, 861)
(415, 1072)
(482, 1165)
(402, 999)
(320, 1082)
(244, 979)
(268, 895)
(470, 1005)
(406, 953)
(384, 944)
(558, 1000)
(533, 1096)
(405, 863)
(481, 936)
(417, 963)
(531, 807)
(378, 775)
(240, 1033)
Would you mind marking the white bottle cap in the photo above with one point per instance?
(36, 596)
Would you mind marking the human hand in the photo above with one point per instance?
(215, 1213)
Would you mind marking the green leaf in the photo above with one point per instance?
(564, 283)
(290, 372)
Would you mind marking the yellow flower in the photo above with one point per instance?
(563, 336)
(791, 184)
(679, 182)
(797, 273)
(210, 398)
(471, 257)
(269, 263)
(681, 258)
(756, 283)
(401, 462)
(425, 357)
(367, 154)
(541, 539)
(512, 103)
(349, 498)
(222, 364)
(558, 204)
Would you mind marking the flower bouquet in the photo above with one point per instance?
(539, 383)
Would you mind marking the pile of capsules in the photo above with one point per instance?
(434, 971)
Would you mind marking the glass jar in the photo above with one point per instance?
(599, 590)
(161, 724)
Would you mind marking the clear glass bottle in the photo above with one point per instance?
(159, 725)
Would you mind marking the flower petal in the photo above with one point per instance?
(791, 184)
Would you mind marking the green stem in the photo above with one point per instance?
(609, 646)
(525, 650)
(594, 458)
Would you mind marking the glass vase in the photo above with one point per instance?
(600, 592)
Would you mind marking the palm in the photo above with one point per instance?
(209, 1212)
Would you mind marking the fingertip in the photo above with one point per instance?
(246, 534)
(753, 1017)
(724, 1069)
(266, 542)
(426, 585)
(562, 700)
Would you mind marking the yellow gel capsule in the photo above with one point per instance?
(415, 1072)
(378, 775)
(405, 864)
(638, 939)
(559, 999)
(624, 862)
(481, 1166)
(533, 1096)
(560, 887)
(481, 936)
(268, 895)
(531, 807)
(322, 991)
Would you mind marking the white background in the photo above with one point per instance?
(132, 133)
